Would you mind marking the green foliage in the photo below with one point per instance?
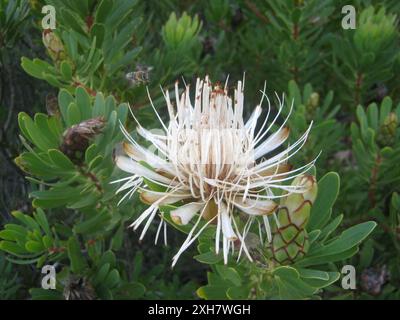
(32, 240)
(375, 147)
(9, 285)
(298, 28)
(326, 130)
(75, 185)
(106, 56)
(12, 15)
(366, 54)
(91, 44)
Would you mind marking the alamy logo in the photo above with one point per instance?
(349, 20)
(49, 280)
(49, 20)
(349, 277)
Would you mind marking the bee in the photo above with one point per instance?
(139, 76)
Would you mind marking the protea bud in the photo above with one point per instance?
(312, 104)
(53, 44)
(290, 238)
(76, 139)
(387, 131)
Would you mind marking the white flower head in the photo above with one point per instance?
(214, 164)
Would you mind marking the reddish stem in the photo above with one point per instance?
(373, 180)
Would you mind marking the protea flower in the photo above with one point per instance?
(213, 165)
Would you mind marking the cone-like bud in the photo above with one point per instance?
(53, 44)
(312, 105)
(290, 238)
(387, 131)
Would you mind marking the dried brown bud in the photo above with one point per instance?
(78, 288)
(372, 279)
(76, 139)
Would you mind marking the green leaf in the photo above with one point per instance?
(99, 106)
(112, 279)
(328, 190)
(38, 138)
(72, 20)
(208, 258)
(64, 100)
(74, 114)
(347, 240)
(132, 290)
(93, 224)
(78, 262)
(101, 274)
(11, 247)
(314, 260)
(60, 159)
(238, 293)
(367, 254)
(103, 10)
(314, 235)
(53, 80)
(26, 220)
(42, 294)
(313, 274)
(83, 103)
(117, 239)
(40, 217)
(90, 153)
(332, 226)
(98, 31)
(66, 70)
(47, 242)
(42, 125)
(57, 193)
(290, 286)
(21, 123)
(32, 68)
(95, 162)
(108, 257)
(13, 235)
(229, 274)
(85, 201)
(211, 292)
(322, 283)
(34, 246)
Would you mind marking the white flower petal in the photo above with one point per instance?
(162, 198)
(183, 214)
(254, 206)
(273, 142)
(128, 165)
(227, 229)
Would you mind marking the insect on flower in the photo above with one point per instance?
(214, 164)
